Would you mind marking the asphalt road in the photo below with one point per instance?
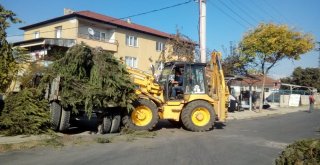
(254, 141)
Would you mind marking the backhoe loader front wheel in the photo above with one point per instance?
(198, 116)
(144, 116)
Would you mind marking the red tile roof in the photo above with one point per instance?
(256, 80)
(125, 24)
(105, 19)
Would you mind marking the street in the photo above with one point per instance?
(250, 141)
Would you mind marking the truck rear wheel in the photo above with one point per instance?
(60, 118)
(55, 115)
(144, 116)
(116, 121)
(105, 126)
(65, 120)
(198, 116)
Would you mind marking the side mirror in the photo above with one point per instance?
(152, 69)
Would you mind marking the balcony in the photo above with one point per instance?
(40, 42)
(60, 42)
(94, 41)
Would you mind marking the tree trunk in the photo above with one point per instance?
(262, 93)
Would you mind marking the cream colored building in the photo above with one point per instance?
(140, 46)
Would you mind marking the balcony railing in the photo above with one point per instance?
(60, 42)
(97, 38)
(94, 41)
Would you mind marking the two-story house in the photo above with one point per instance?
(140, 46)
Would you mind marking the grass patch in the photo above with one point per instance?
(103, 140)
(55, 142)
(132, 135)
(19, 146)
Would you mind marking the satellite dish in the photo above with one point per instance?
(90, 31)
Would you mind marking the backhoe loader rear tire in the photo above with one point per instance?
(55, 115)
(143, 117)
(198, 116)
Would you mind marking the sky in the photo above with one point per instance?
(227, 20)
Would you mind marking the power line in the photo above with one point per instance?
(244, 11)
(318, 49)
(156, 10)
(235, 13)
(277, 11)
(252, 11)
(130, 16)
(228, 15)
(263, 10)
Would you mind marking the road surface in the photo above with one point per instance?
(252, 141)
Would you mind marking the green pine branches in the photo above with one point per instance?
(7, 62)
(301, 152)
(25, 112)
(92, 78)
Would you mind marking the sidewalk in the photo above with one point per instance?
(21, 138)
(247, 114)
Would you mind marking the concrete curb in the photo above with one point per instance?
(268, 112)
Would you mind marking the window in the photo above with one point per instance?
(58, 31)
(194, 80)
(36, 34)
(132, 41)
(96, 35)
(102, 36)
(131, 61)
(159, 46)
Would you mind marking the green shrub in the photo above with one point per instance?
(25, 112)
(301, 152)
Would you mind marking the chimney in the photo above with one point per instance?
(129, 20)
(67, 11)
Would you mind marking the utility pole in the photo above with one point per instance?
(231, 48)
(319, 54)
(202, 10)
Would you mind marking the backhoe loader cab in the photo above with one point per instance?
(192, 75)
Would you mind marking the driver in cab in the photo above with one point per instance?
(177, 84)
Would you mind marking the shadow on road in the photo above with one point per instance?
(81, 125)
(219, 125)
(167, 125)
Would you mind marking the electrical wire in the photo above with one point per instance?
(130, 16)
(225, 5)
(228, 15)
(156, 10)
(263, 10)
(244, 11)
(276, 10)
(251, 11)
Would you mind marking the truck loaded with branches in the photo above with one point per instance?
(87, 81)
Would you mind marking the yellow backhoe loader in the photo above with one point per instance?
(194, 105)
